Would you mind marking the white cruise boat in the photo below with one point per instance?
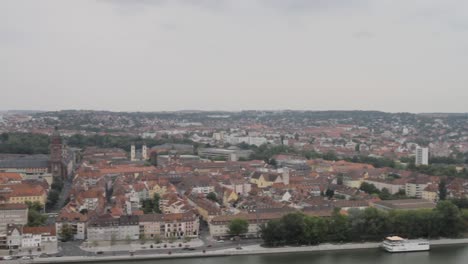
(398, 244)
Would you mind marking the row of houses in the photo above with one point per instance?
(131, 227)
(20, 237)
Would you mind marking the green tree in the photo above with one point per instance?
(329, 193)
(338, 227)
(143, 239)
(369, 188)
(238, 227)
(52, 198)
(156, 199)
(315, 230)
(442, 190)
(295, 228)
(35, 217)
(66, 233)
(273, 232)
(385, 194)
(157, 239)
(451, 222)
(273, 162)
(212, 196)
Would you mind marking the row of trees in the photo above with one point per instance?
(24, 143)
(383, 194)
(266, 152)
(439, 170)
(29, 143)
(446, 220)
(54, 193)
(123, 142)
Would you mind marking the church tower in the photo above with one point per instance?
(132, 153)
(56, 152)
(144, 152)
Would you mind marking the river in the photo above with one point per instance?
(455, 254)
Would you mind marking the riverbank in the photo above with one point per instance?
(248, 250)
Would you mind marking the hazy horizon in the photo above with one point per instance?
(232, 55)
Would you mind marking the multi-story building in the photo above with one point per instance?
(392, 186)
(13, 237)
(422, 156)
(408, 204)
(75, 220)
(203, 189)
(263, 180)
(415, 187)
(126, 227)
(181, 225)
(219, 225)
(40, 237)
(151, 225)
(26, 164)
(226, 154)
(22, 193)
(16, 214)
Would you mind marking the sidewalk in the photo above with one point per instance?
(247, 250)
(138, 246)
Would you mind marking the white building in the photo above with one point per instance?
(16, 214)
(31, 241)
(205, 189)
(107, 228)
(14, 237)
(422, 156)
(415, 188)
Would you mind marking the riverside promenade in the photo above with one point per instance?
(248, 250)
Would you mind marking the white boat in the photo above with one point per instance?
(398, 244)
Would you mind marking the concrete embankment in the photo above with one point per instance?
(248, 250)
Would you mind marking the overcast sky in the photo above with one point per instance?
(152, 55)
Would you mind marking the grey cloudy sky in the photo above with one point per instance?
(151, 55)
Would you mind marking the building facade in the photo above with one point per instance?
(422, 156)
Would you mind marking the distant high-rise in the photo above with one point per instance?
(422, 156)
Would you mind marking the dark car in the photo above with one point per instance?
(188, 248)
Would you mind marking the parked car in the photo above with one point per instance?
(26, 257)
(7, 258)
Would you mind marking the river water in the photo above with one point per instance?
(457, 254)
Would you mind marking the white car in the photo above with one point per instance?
(26, 257)
(7, 258)
(220, 241)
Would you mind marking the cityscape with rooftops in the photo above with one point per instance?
(234, 131)
(184, 181)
